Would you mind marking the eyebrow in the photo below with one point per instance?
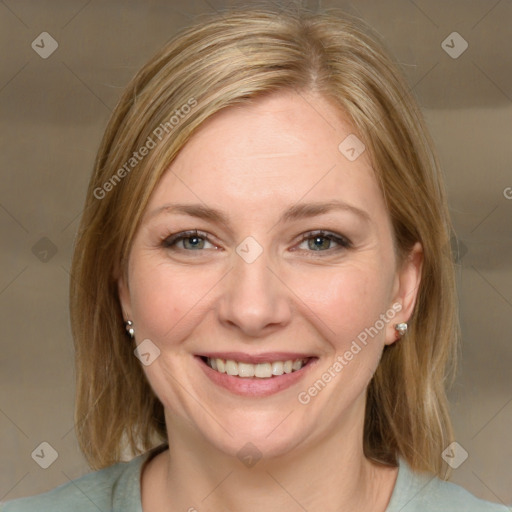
(295, 212)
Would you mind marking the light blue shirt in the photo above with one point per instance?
(117, 489)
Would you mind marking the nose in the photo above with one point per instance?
(254, 297)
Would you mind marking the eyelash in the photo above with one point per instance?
(344, 243)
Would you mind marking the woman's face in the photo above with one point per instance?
(291, 275)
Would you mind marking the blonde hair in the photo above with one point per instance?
(230, 59)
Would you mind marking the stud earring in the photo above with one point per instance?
(401, 328)
(128, 325)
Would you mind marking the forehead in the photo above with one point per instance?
(279, 150)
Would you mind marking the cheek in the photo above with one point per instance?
(167, 302)
(347, 301)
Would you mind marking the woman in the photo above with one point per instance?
(262, 293)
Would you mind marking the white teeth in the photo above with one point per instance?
(245, 370)
(263, 370)
(277, 368)
(260, 370)
(231, 367)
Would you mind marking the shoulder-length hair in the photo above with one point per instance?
(230, 59)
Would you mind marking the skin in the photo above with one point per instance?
(253, 162)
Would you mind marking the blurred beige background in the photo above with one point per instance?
(53, 112)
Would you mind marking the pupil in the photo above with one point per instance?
(194, 241)
(318, 242)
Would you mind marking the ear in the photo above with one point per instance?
(124, 296)
(405, 290)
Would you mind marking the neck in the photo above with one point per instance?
(332, 475)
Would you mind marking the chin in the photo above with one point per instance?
(265, 438)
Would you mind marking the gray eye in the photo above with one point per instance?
(194, 242)
(317, 242)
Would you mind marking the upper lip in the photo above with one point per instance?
(266, 357)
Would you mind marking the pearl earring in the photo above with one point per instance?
(128, 325)
(401, 328)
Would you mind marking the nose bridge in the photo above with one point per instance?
(253, 296)
(252, 271)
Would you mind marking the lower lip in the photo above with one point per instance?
(254, 386)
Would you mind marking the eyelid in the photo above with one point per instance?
(342, 241)
(170, 240)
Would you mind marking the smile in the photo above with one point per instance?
(263, 370)
(256, 375)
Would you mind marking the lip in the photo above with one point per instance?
(266, 357)
(254, 386)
